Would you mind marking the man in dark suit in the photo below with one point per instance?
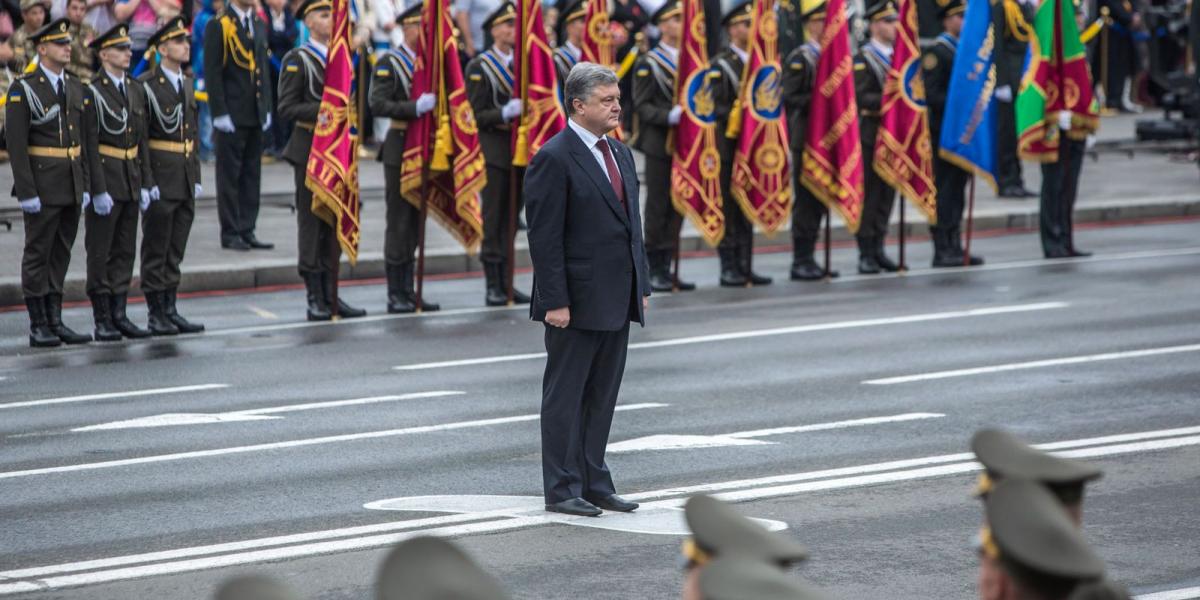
(236, 69)
(589, 281)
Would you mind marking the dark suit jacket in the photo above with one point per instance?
(55, 181)
(175, 174)
(122, 179)
(587, 251)
(233, 89)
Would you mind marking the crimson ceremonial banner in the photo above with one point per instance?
(903, 150)
(332, 169)
(832, 166)
(598, 44)
(446, 140)
(695, 164)
(533, 70)
(762, 177)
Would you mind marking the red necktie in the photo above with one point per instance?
(614, 174)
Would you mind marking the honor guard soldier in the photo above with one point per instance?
(489, 90)
(1005, 457)
(175, 167)
(236, 72)
(738, 244)
(389, 98)
(655, 115)
(120, 184)
(951, 180)
(301, 85)
(1115, 62)
(572, 25)
(871, 66)
(799, 73)
(46, 145)
(1012, 26)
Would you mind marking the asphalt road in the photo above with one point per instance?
(156, 469)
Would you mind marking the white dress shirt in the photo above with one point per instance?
(175, 77)
(590, 140)
(53, 78)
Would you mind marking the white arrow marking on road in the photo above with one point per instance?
(257, 414)
(1036, 364)
(756, 333)
(746, 438)
(1180, 594)
(114, 395)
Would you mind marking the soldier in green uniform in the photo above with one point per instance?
(490, 91)
(571, 25)
(1012, 27)
(431, 568)
(120, 184)
(46, 145)
(951, 181)
(82, 36)
(34, 14)
(655, 115)
(741, 578)
(799, 71)
(175, 169)
(1005, 457)
(390, 88)
(738, 244)
(301, 85)
(871, 65)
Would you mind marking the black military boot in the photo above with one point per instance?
(680, 285)
(660, 271)
(181, 323)
(406, 280)
(867, 263)
(40, 335)
(956, 241)
(159, 323)
(731, 271)
(318, 308)
(121, 320)
(398, 300)
(105, 331)
(745, 254)
(519, 297)
(944, 254)
(495, 294)
(804, 267)
(344, 310)
(881, 257)
(54, 319)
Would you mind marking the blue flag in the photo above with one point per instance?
(969, 125)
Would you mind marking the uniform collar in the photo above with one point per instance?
(408, 52)
(589, 138)
(573, 50)
(883, 50)
(51, 75)
(116, 79)
(321, 49)
(504, 58)
(241, 15)
(671, 52)
(176, 78)
(741, 54)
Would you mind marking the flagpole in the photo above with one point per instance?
(421, 238)
(828, 243)
(435, 118)
(511, 269)
(902, 266)
(970, 221)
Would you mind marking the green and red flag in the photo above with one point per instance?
(903, 151)
(832, 166)
(537, 85)
(441, 148)
(695, 164)
(1056, 80)
(761, 181)
(332, 169)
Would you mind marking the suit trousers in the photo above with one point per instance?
(239, 177)
(662, 220)
(165, 229)
(579, 393)
(400, 238)
(49, 236)
(111, 243)
(1058, 197)
(1008, 164)
(316, 242)
(496, 199)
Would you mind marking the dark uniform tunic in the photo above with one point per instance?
(301, 85)
(175, 168)
(653, 99)
(870, 73)
(565, 57)
(800, 68)
(46, 140)
(390, 89)
(489, 88)
(1116, 63)
(120, 167)
(937, 65)
(739, 232)
(1012, 33)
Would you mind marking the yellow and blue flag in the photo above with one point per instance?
(969, 125)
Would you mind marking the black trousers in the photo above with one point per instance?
(739, 231)
(1120, 65)
(165, 229)
(496, 199)
(239, 176)
(1058, 197)
(111, 243)
(807, 210)
(49, 236)
(403, 219)
(951, 182)
(579, 393)
(878, 200)
(662, 220)
(316, 242)
(1008, 164)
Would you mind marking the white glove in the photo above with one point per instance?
(154, 194)
(1004, 93)
(267, 125)
(1064, 120)
(223, 123)
(144, 203)
(102, 204)
(511, 110)
(32, 205)
(87, 199)
(425, 103)
(674, 116)
(196, 191)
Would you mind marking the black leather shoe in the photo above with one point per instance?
(1014, 192)
(807, 271)
(57, 327)
(121, 320)
(180, 323)
(868, 266)
(255, 244)
(1077, 253)
(105, 331)
(661, 283)
(40, 335)
(1057, 254)
(684, 286)
(346, 311)
(575, 506)
(236, 244)
(159, 323)
(614, 503)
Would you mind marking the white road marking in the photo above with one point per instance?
(367, 319)
(332, 439)
(256, 414)
(775, 331)
(385, 534)
(1180, 594)
(262, 312)
(115, 395)
(746, 438)
(1036, 364)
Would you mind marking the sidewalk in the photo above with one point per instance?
(1113, 187)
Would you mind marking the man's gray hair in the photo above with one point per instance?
(583, 79)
